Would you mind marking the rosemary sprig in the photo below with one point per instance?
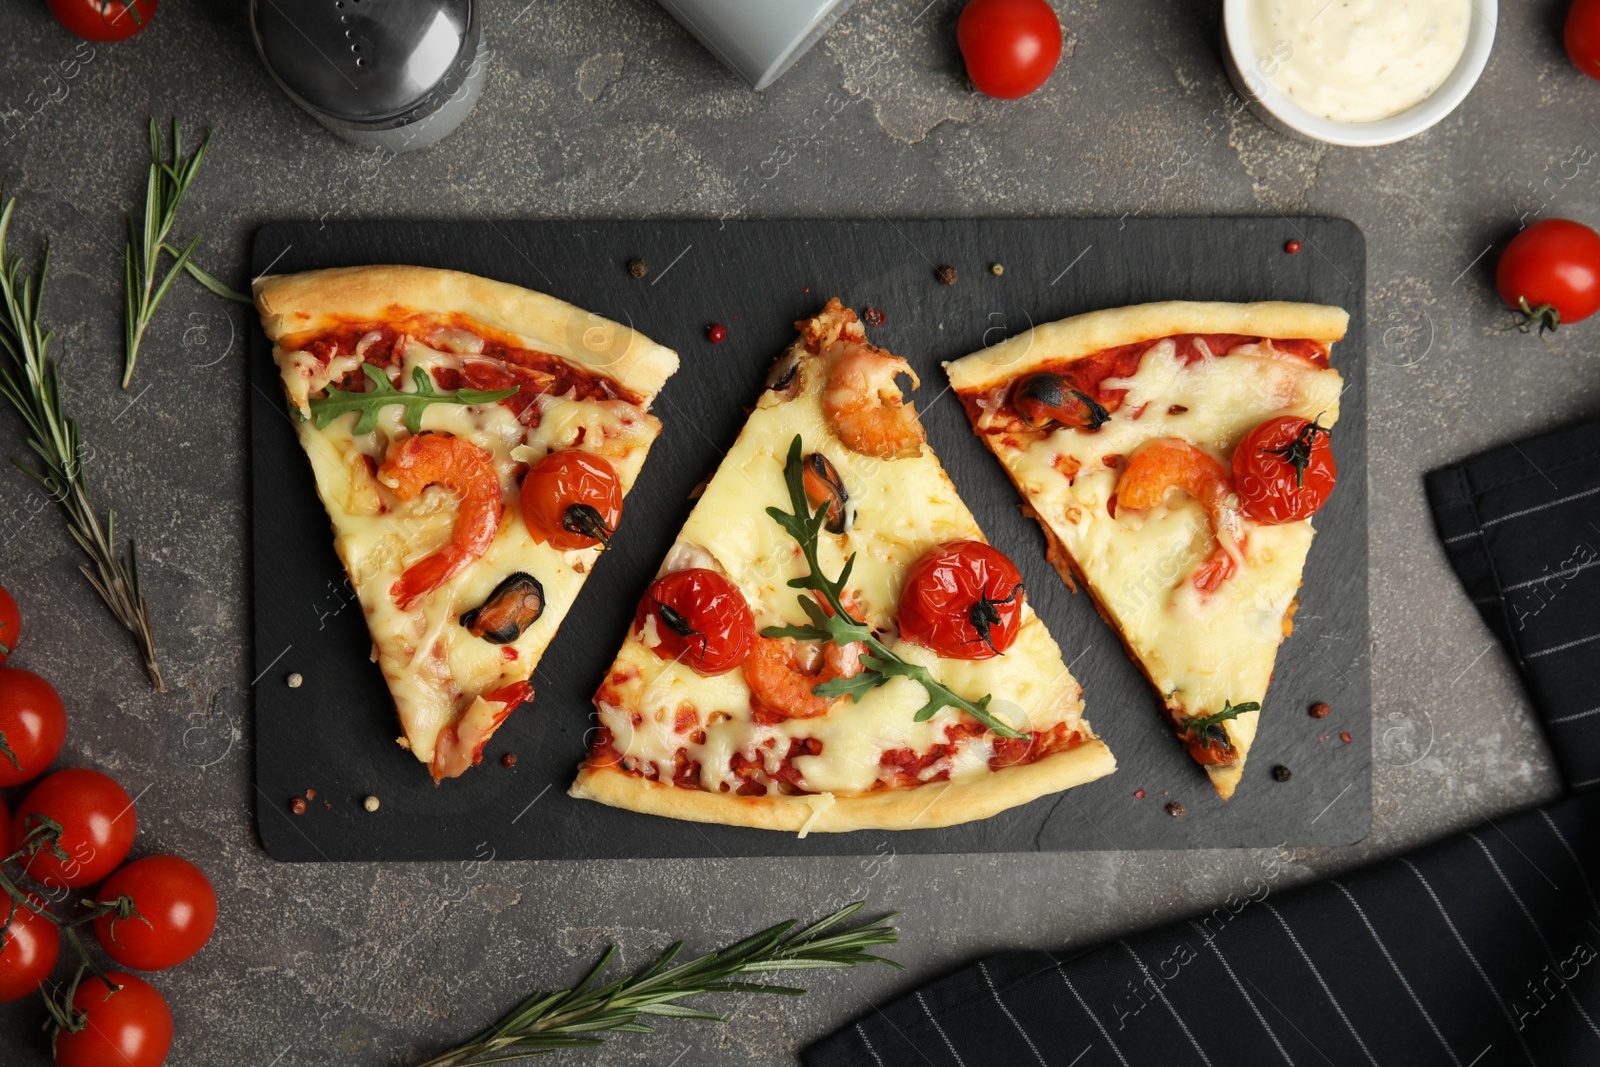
(383, 394)
(30, 381)
(167, 182)
(1198, 727)
(573, 1017)
(842, 628)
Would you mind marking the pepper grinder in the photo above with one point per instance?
(392, 74)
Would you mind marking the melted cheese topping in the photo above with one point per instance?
(1199, 651)
(435, 667)
(903, 508)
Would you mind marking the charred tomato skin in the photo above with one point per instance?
(570, 497)
(1272, 488)
(699, 618)
(962, 600)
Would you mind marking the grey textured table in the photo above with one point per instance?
(607, 109)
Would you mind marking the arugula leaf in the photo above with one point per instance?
(842, 628)
(383, 393)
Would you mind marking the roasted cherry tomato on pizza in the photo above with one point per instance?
(129, 1027)
(97, 827)
(572, 500)
(176, 913)
(103, 20)
(1550, 273)
(1283, 470)
(699, 618)
(10, 625)
(1010, 47)
(28, 950)
(962, 600)
(33, 724)
(1582, 36)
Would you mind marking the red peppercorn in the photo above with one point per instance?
(716, 333)
(1292, 247)
(298, 805)
(1320, 711)
(1345, 737)
(1138, 794)
(509, 759)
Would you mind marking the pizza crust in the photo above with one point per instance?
(1083, 335)
(925, 807)
(294, 304)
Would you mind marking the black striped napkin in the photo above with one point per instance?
(1480, 950)
(1521, 525)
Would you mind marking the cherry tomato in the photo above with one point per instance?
(571, 500)
(10, 625)
(1283, 470)
(28, 949)
(129, 1027)
(699, 618)
(1550, 272)
(1583, 36)
(962, 600)
(33, 723)
(97, 826)
(5, 830)
(103, 20)
(178, 906)
(1010, 46)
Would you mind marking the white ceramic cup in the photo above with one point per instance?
(1242, 61)
(758, 39)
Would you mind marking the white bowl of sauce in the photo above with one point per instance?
(1356, 72)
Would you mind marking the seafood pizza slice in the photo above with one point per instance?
(1174, 454)
(472, 442)
(831, 644)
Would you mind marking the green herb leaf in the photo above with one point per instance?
(1229, 711)
(30, 381)
(841, 627)
(545, 1022)
(383, 393)
(144, 286)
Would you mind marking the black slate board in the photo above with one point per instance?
(335, 733)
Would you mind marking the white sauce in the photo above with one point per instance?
(1359, 60)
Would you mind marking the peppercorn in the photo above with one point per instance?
(298, 805)
(1345, 737)
(1177, 810)
(1292, 247)
(1280, 773)
(509, 759)
(1320, 711)
(638, 268)
(295, 681)
(873, 316)
(716, 333)
(371, 803)
(947, 275)
(997, 269)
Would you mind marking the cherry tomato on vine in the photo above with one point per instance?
(97, 827)
(128, 1027)
(30, 947)
(5, 830)
(1283, 470)
(1011, 47)
(699, 618)
(962, 600)
(1582, 36)
(177, 911)
(33, 724)
(10, 625)
(571, 500)
(103, 20)
(1550, 273)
